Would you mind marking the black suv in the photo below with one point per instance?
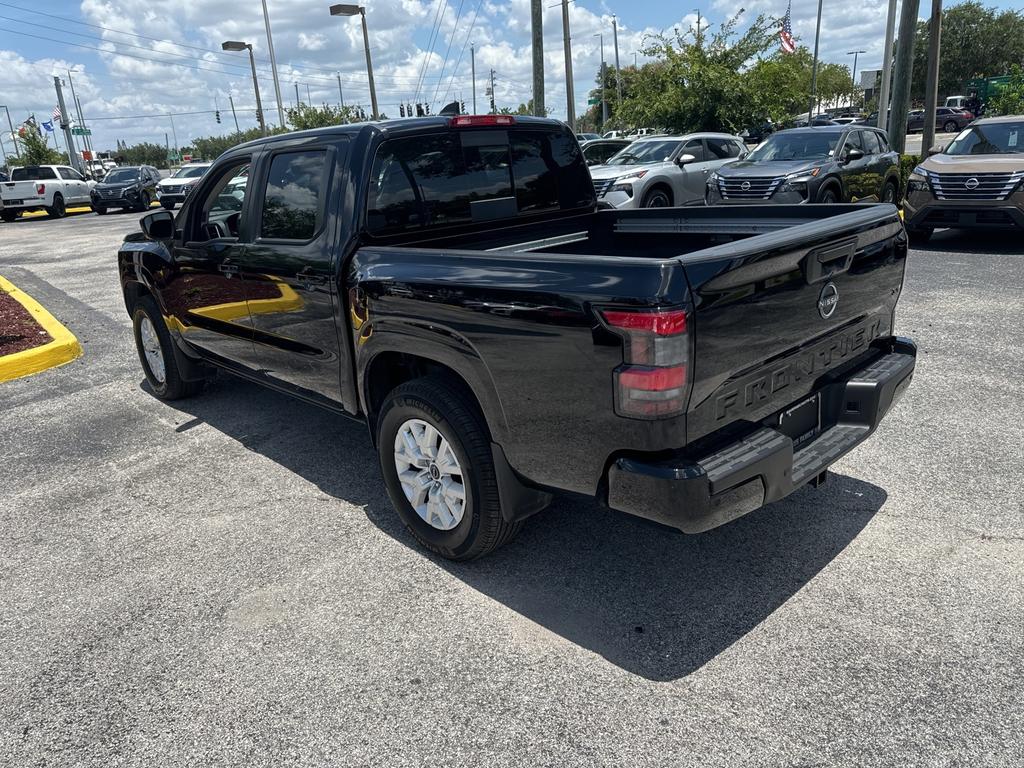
(826, 164)
(130, 187)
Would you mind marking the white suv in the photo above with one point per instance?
(174, 189)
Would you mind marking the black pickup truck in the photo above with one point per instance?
(453, 283)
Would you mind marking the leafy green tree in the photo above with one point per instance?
(35, 150)
(213, 147)
(307, 116)
(144, 153)
(1009, 100)
(976, 42)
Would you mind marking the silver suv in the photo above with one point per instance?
(664, 171)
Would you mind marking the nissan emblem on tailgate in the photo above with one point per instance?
(827, 300)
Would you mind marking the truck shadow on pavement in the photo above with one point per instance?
(648, 599)
(959, 241)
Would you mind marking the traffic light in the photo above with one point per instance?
(426, 109)
(419, 110)
(462, 107)
(217, 115)
(401, 110)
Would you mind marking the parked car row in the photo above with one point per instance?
(820, 164)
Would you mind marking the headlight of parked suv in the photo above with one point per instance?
(918, 180)
(800, 178)
(625, 183)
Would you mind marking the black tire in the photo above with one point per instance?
(168, 205)
(919, 236)
(100, 210)
(890, 192)
(657, 198)
(9, 216)
(949, 127)
(456, 417)
(57, 210)
(143, 202)
(173, 386)
(829, 196)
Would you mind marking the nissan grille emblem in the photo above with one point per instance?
(828, 299)
(971, 183)
(745, 186)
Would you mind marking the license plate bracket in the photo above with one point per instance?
(802, 422)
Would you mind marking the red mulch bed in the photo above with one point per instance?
(18, 330)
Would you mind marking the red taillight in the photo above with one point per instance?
(653, 382)
(472, 121)
(40, 189)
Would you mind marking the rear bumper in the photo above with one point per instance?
(762, 467)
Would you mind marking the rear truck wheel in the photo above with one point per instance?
(949, 126)
(435, 454)
(657, 198)
(159, 364)
(168, 204)
(143, 202)
(919, 236)
(57, 210)
(9, 216)
(829, 196)
(890, 192)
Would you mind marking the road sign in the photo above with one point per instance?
(593, 101)
(81, 131)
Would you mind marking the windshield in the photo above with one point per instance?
(123, 174)
(805, 145)
(645, 152)
(189, 172)
(991, 139)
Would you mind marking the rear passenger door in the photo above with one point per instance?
(291, 270)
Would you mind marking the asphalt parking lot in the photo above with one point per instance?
(222, 581)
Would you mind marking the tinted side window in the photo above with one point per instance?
(853, 141)
(536, 173)
(870, 141)
(293, 203)
(693, 147)
(722, 149)
(66, 173)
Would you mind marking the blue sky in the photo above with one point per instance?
(135, 61)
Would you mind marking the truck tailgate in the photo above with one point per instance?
(17, 190)
(774, 313)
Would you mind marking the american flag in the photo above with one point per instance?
(786, 33)
(56, 114)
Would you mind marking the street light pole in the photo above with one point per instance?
(883, 93)
(618, 70)
(14, 136)
(273, 64)
(814, 67)
(237, 45)
(343, 9)
(570, 91)
(931, 90)
(472, 59)
(853, 77)
(604, 89)
(537, 30)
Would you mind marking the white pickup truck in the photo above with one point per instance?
(52, 188)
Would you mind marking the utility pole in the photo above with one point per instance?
(604, 84)
(814, 67)
(65, 125)
(472, 60)
(883, 93)
(537, 23)
(494, 107)
(341, 94)
(234, 114)
(273, 64)
(174, 133)
(931, 89)
(618, 70)
(904, 70)
(297, 96)
(570, 94)
(309, 99)
(14, 136)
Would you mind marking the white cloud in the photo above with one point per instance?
(314, 42)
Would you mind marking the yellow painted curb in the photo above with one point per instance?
(76, 209)
(63, 349)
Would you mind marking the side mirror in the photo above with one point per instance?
(158, 225)
(684, 159)
(854, 154)
(936, 150)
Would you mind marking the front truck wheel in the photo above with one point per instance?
(435, 454)
(159, 364)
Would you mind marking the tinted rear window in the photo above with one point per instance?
(469, 176)
(31, 173)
